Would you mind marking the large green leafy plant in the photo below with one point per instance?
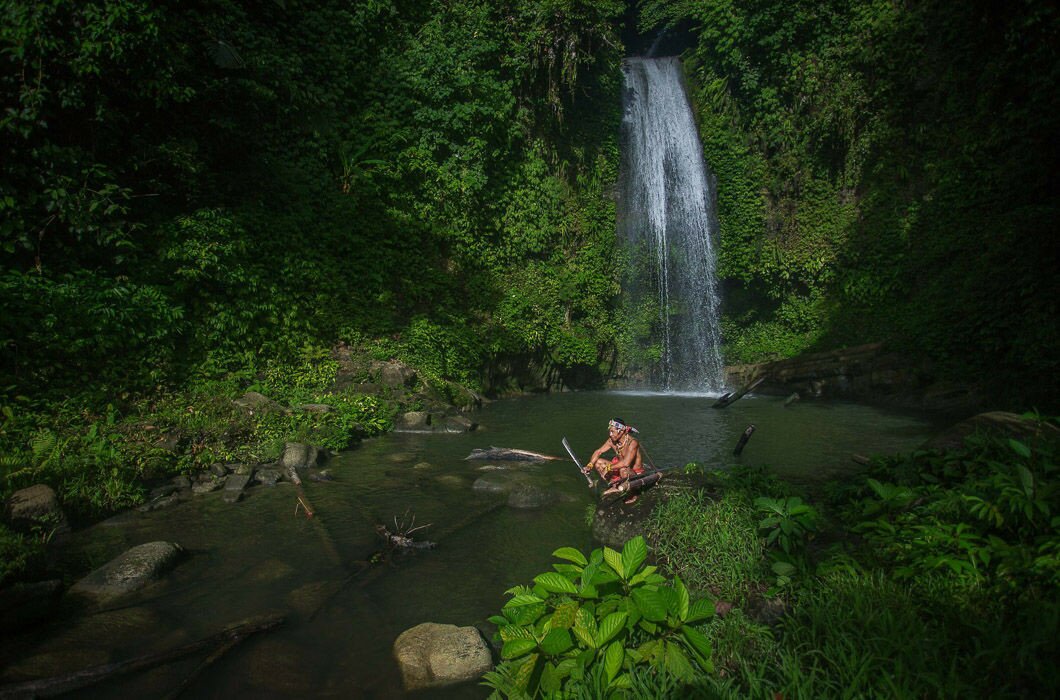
(591, 622)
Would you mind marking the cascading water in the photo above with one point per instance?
(666, 212)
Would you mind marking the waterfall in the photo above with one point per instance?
(666, 213)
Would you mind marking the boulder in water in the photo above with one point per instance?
(523, 495)
(459, 424)
(432, 655)
(128, 572)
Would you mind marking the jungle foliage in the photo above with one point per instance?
(931, 574)
(194, 187)
(885, 173)
(203, 198)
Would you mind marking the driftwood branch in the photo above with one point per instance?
(734, 397)
(223, 640)
(743, 439)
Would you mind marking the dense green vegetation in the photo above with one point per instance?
(930, 575)
(201, 199)
(885, 173)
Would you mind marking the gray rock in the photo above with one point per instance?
(243, 469)
(128, 572)
(431, 655)
(320, 475)
(529, 496)
(316, 408)
(159, 503)
(397, 375)
(268, 477)
(36, 506)
(419, 421)
(234, 486)
(218, 469)
(207, 486)
(459, 424)
(423, 465)
(181, 481)
(297, 455)
(254, 403)
(162, 492)
(492, 483)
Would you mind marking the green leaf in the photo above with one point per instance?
(614, 560)
(524, 609)
(550, 681)
(555, 583)
(585, 628)
(1019, 448)
(1027, 480)
(556, 642)
(512, 632)
(699, 643)
(676, 662)
(517, 647)
(613, 660)
(570, 554)
(680, 599)
(564, 616)
(525, 671)
(650, 603)
(634, 553)
(609, 627)
(643, 575)
(702, 609)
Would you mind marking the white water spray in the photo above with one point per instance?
(667, 213)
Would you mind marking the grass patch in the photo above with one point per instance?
(713, 545)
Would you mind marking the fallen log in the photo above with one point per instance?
(56, 685)
(743, 440)
(507, 454)
(733, 397)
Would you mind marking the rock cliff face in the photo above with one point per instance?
(865, 372)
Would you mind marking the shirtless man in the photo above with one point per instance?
(627, 460)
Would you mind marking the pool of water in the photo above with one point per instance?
(344, 613)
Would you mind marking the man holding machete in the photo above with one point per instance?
(627, 460)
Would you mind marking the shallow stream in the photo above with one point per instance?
(344, 614)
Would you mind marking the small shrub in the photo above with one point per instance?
(588, 626)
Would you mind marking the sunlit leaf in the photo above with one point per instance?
(570, 554)
(609, 627)
(613, 660)
(517, 647)
(555, 583)
(634, 553)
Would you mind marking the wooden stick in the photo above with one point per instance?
(743, 440)
(55, 685)
(732, 398)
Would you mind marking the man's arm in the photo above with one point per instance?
(596, 455)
